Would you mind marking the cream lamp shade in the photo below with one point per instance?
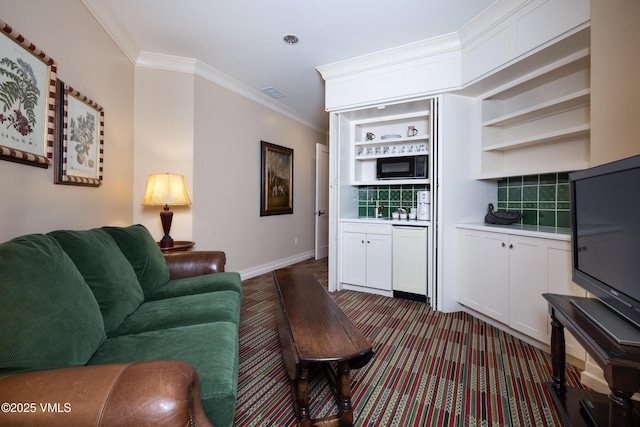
(166, 190)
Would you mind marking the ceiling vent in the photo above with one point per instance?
(272, 92)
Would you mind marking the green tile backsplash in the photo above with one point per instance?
(542, 199)
(391, 197)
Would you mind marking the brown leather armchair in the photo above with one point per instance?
(155, 393)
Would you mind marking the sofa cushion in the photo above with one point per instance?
(211, 348)
(106, 270)
(144, 254)
(223, 306)
(224, 281)
(49, 317)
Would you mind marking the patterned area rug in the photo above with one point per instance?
(430, 368)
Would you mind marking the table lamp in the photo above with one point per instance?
(166, 190)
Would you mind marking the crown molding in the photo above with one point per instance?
(113, 28)
(184, 65)
(202, 70)
(491, 17)
(488, 19)
(396, 55)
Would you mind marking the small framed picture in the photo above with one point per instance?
(81, 147)
(27, 100)
(276, 180)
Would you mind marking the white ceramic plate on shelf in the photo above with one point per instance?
(391, 135)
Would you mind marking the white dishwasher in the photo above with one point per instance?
(410, 262)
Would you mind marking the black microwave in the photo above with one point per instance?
(406, 167)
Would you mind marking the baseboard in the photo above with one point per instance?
(578, 363)
(269, 267)
(593, 377)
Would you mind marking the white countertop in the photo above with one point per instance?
(555, 233)
(405, 222)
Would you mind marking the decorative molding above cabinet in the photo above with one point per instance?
(508, 33)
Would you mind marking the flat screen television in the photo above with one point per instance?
(605, 242)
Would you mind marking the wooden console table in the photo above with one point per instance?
(313, 329)
(620, 363)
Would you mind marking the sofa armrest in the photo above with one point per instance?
(195, 263)
(155, 393)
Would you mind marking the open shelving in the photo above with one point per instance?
(539, 122)
(396, 143)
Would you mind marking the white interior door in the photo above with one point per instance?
(322, 201)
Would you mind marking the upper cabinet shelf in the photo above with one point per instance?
(572, 100)
(393, 141)
(581, 131)
(539, 122)
(382, 136)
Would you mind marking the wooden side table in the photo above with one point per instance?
(620, 364)
(178, 245)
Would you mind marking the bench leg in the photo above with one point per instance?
(345, 410)
(301, 396)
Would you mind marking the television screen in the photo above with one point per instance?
(605, 214)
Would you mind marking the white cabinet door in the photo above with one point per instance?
(354, 258)
(379, 261)
(410, 260)
(537, 266)
(528, 281)
(483, 273)
(366, 256)
(504, 276)
(559, 281)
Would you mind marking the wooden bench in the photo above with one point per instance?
(313, 329)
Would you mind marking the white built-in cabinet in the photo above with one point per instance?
(387, 136)
(508, 95)
(503, 277)
(447, 126)
(539, 123)
(483, 275)
(366, 256)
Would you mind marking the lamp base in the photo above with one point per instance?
(166, 242)
(166, 216)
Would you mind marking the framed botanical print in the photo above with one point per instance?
(276, 179)
(80, 152)
(27, 100)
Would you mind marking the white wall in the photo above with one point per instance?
(188, 125)
(89, 61)
(228, 131)
(615, 82)
(163, 143)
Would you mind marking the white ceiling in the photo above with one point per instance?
(243, 38)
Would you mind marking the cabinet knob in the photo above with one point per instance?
(504, 244)
(368, 241)
(363, 241)
(511, 246)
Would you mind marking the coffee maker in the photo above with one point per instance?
(424, 202)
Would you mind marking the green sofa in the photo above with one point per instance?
(97, 306)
